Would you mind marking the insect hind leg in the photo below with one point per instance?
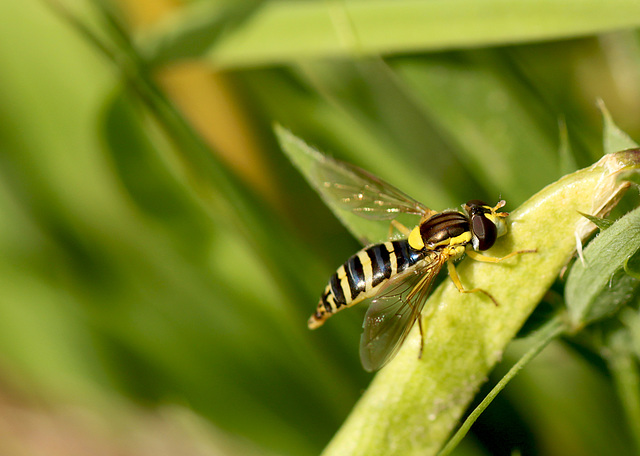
(456, 281)
(421, 337)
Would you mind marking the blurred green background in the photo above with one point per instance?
(157, 275)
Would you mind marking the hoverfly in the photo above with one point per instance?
(396, 277)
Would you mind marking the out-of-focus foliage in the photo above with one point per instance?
(149, 261)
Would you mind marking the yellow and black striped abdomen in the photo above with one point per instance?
(362, 276)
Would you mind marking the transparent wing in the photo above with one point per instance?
(392, 313)
(356, 190)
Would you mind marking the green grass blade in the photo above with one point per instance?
(282, 31)
(200, 27)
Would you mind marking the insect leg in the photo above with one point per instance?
(456, 281)
(398, 226)
(421, 336)
(485, 259)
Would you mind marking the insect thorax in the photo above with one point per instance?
(441, 231)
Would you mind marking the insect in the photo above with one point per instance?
(396, 277)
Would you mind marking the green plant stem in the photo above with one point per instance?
(412, 406)
(541, 339)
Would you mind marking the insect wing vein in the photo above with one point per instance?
(393, 311)
(356, 190)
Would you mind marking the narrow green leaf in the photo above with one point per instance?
(568, 163)
(600, 286)
(283, 31)
(614, 138)
(199, 28)
(601, 223)
(305, 157)
(155, 191)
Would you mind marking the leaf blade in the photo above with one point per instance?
(600, 286)
(281, 31)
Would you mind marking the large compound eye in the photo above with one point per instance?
(484, 230)
(476, 205)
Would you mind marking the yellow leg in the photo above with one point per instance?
(421, 336)
(398, 226)
(456, 281)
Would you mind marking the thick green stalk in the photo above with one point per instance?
(413, 405)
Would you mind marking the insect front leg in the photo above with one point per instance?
(456, 281)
